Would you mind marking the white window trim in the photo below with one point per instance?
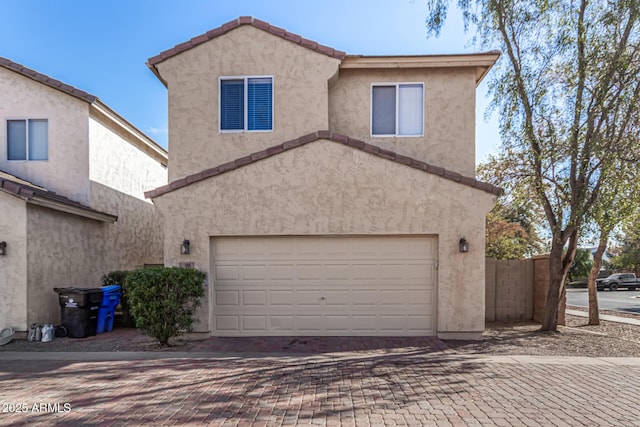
(246, 102)
(397, 85)
(26, 119)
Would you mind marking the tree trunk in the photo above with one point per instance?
(559, 265)
(556, 279)
(594, 315)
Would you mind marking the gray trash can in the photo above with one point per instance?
(79, 310)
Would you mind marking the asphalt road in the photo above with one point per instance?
(621, 300)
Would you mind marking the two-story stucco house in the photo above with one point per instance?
(324, 193)
(72, 179)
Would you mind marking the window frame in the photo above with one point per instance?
(27, 145)
(245, 104)
(397, 109)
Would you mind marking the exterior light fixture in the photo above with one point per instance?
(185, 247)
(3, 248)
(464, 245)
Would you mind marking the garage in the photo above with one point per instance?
(331, 286)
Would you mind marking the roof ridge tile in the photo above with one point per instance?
(47, 80)
(254, 22)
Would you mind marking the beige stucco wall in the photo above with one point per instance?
(13, 266)
(63, 251)
(120, 173)
(449, 113)
(300, 80)
(325, 188)
(67, 170)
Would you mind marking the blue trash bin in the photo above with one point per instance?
(110, 300)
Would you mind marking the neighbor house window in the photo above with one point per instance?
(28, 139)
(397, 109)
(246, 104)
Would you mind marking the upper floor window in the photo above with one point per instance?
(28, 139)
(246, 103)
(397, 109)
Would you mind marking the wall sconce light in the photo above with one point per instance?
(3, 248)
(185, 247)
(464, 245)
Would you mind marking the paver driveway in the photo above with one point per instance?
(374, 388)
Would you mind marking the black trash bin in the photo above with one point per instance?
(79, 310)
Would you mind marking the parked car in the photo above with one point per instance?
(617, 281)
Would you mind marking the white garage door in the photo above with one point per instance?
(381, 286)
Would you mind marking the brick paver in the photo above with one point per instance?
(375, 388)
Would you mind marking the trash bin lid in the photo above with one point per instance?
(111, 289)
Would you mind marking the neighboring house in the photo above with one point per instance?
(324, 193)
(72, 180)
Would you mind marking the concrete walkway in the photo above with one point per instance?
(617, 319)
(363, 388)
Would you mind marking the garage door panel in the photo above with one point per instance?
(253, 297)
(364, 323)
(282, 297)
(253, 272)
(230, 297)
(336, 298)
(309, 298)
(364, 271)
(282, 323)
(226, 272)
(417, 322)
(227, 323)
(309, 323)
(381, 285)
(365, 297)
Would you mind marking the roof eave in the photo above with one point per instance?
(74, 210)
(142, 141)
(482, 62)
(323, 135)
(155, 71)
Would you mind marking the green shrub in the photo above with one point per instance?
(119, 278)
(163, 301)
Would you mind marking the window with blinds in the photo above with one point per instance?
(246, 104)
(397, 109)
(28, 139)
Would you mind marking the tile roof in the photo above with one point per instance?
(245, 20)
(28, 191)
(49, 81)
(324, 135)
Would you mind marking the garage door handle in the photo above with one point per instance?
(322, 298)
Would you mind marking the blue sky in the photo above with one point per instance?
(102, 46)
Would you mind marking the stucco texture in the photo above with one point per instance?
(325, 188)
(301, 104)
(63, 251)
(13, 266)
(449, 113)
(120, 174)
(66, 171)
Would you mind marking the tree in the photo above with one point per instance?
(567, 89)
(512, 225)
(581, 265)
(627, 257)
(614, 206)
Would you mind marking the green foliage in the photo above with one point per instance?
(119, 277)
(581, 265)
(164, 301)
(513, 224)
(627, 255)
